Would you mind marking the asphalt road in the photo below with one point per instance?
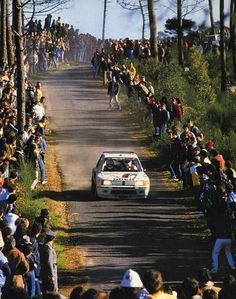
(163, 232)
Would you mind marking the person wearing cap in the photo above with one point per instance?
(131, 284)
(44, 220)
(153, 282)
(48, 260)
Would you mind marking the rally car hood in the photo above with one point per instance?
(123, 176)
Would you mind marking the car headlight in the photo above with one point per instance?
(106, 182)
(143, 183)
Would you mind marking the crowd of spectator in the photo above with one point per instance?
(150, 286)
(27, 258)
(55, 42)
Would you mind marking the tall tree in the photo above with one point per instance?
(232, 34)
(17, 9)
(44, 6)
(222, 47)
(3, 41)
(180, 31)
(153, 29)
(136, 6)
(211, 17)
(172, 25)
(10, 54)
(143, 18)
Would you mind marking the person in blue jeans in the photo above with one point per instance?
(222, 233)
(34, 234)
(41, 143)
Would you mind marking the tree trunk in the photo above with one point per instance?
(143, 18)
(153, 29)
(222, 47)
(232, 35)
(3, 42)
(180, 32)
(17, 25)
(211, 17)
(10, 54)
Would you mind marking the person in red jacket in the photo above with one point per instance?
(177, 110)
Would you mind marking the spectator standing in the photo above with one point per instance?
(177, 111)
(222, 233)
(17, 262)
(47, 23)
(113, 92)
(34, 234)
(48, 259)
(5, 271)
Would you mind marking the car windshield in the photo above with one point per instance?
(121, 164)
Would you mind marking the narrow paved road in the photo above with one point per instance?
(163, 232)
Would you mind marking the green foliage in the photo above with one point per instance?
(198, 77)
(28, 206)
(172, 25)
(222, 114)
(167, 79)
(212, 111)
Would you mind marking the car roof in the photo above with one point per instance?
(119, 154)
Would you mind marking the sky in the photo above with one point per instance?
(87, 16)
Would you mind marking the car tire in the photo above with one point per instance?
(94, 189)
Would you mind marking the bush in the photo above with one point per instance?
(222, 114)
(167, 80)
(28, 206)
(198, 77)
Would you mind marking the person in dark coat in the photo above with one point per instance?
(34, 234)
(113, 91)
(48, 260)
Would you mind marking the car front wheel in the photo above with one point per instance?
(94, 189)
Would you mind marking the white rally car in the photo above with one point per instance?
(119, 175)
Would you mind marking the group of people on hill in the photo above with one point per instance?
(150, 286)
(52, 42)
